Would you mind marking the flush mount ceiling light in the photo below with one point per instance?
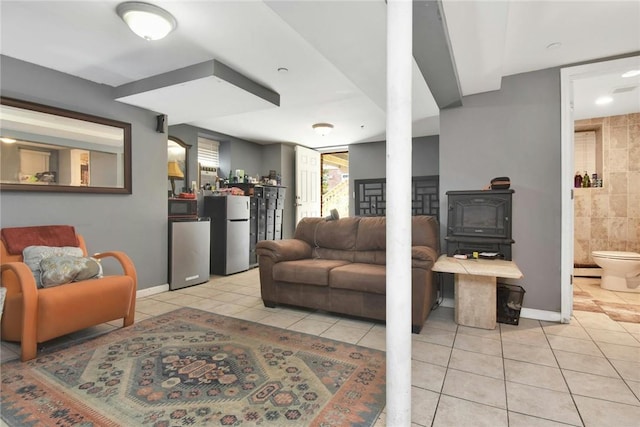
(603, 100)
(631, 73)
(146, 20)
(323, 129)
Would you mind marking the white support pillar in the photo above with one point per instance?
(398, 173)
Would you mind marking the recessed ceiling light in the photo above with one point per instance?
(604, 100)
(322, 129)
(7, 140)
(554, 45)
(146, 20)
(631, 73)
(283, 70)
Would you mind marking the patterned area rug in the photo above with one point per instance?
(584, 301)
(190, 367)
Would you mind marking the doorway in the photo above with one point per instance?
(571, 80)
(335, 183)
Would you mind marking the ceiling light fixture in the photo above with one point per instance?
(631, 73)
(8, 140)
(322, 129)
(146, 20)
(603, 100)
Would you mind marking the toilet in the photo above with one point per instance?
(620, 270)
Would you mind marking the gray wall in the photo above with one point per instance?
(248, 157)
(136, 223)
(514, 132)
(255, 159)
(368, 161)
(235, 153)
(281, 158)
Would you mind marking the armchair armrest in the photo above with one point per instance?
(18, 278)
(423, 257)
(129, 269)
(125, 262)
(284, 250)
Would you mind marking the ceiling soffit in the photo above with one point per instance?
(196, 90)
(432, 53)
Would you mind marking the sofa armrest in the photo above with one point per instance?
(423, 257)
(284, 250)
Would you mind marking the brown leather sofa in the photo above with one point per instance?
(340, 266)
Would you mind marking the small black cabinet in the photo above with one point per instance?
(479, 221)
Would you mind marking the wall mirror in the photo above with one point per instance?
(177, 166)
(44, 148)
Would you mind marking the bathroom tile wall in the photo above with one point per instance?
(608, 218)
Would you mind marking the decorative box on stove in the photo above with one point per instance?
(479, 221)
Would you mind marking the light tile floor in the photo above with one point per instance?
(586, 373)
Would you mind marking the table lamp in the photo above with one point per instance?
(174, 173)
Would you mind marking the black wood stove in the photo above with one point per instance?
(479, 221)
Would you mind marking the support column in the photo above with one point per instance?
(398, 208)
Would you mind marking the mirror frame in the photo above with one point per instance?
(126, 128)
(186, 158)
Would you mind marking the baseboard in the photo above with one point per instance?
(147, 292)
(587, 272)
(548, 316)
(527, 313)
(447, 302)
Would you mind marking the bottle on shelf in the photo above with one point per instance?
(586, 181)
(577, 180)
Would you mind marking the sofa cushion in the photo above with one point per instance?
(359, 277)
(372, 234)
(371, 257)
(335, 254)
(337, 234)
(306, 271)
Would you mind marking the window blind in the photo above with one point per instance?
(208, 152)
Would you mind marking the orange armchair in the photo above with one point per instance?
(34, 315)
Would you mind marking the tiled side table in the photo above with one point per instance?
(475, 287)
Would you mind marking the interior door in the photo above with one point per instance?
(308, 183)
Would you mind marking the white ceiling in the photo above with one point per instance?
(334, 52)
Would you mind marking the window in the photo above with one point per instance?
(208, 152)
(585, 152)
(335, 183)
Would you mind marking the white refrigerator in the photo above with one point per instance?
(229, 233)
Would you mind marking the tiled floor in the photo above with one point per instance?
(586, 373)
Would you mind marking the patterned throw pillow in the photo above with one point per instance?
(32, 255)
(60, 269)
